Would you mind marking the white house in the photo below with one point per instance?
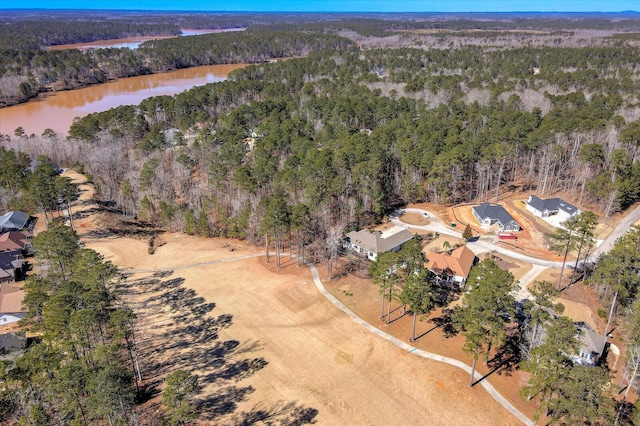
(370, 243)
(491, 214)
(551, 207)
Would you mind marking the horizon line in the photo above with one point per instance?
(321, 11)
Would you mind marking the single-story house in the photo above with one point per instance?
(551, 207)
(591, 345)
(11, 298)
(454, 267)
(491, 214)
(15, 221)
(370, 243)
(12, 266)
(15, 240)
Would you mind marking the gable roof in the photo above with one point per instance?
(10, 260)
(589, 339)
(13, 221)
(459, 262)
(494, 212)
(552, 204)
(380, 242)
(13, 240)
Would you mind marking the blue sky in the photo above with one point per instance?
(338, 5)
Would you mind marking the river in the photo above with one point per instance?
(58, 110)
(134, 42)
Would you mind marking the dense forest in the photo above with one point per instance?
(28, 69)
(335, 139)
(359, 132)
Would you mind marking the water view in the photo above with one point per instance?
(58, 111)
(134, 42)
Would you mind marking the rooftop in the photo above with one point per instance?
(13, 221)
(459, 262)
(494, 212)
(380, 242)
(552, 204)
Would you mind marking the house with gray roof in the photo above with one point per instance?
(491, 214)
(371, 243)
(13, 267)
(545, 208)
(591, 345)
(14, 221)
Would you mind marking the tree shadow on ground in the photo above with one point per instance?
(507, 359)
(445, 293)
(291, 414)
(445, 321)
(223, 402)
(186, 336)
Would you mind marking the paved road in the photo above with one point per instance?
(481, 245)
(617, 232)
(485, 245)
(419, 352)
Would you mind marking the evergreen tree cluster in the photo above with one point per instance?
(79, 367)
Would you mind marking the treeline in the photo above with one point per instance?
(25, 73)
(37, 34)
(235, 47)
(327, 137)
(82, 366)
(373, 25)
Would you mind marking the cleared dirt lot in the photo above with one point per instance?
(267, 346)
(296, 348)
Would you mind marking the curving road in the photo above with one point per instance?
(486, 245)
(369, 327)
(478, 246)
(617, 232)
(419, 352)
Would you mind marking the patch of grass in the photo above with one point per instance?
(625, 36)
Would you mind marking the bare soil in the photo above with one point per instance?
(268, 347)
(414, 219)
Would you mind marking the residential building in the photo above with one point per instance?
(11, 298)
(15, 221)
(371, 243)
(15, 240)
(490, 214)
(12, 266)
(591, 345)
(454, 267)
(554, 208)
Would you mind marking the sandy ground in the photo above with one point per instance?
(267, 346)
(301, 350)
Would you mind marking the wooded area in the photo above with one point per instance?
(321, 144)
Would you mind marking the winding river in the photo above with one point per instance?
(57, 111)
